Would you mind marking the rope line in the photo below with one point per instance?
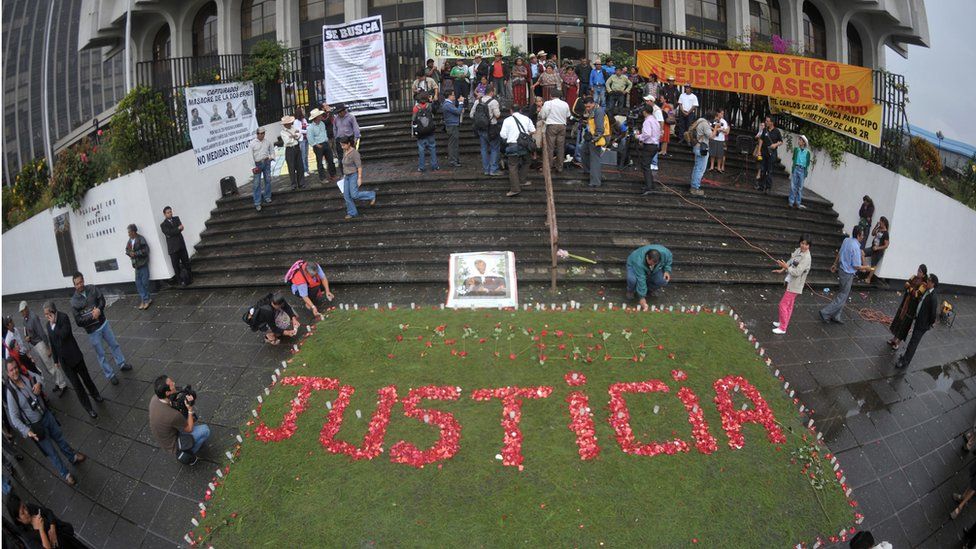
(866, 313)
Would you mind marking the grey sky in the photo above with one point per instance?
(941, 77)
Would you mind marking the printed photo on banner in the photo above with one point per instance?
(861, 123)
(355, 65)
(440, 46)
(222, 121)
(770, 74)
(482, 279)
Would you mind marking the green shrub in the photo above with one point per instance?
(926, 155)
(141, 121)
(620, 58)
(76, 171)
(32, 181)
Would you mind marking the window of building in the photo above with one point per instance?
(637, 13)
(257, 18)
(205, 30)
(855, 50)
(162, 44)
(316, 10)
(397, 13)
(814, 32)
(764, 21)
(568, 8)
(706, 19)
(475, 9)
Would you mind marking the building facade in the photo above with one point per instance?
(52, 90)
(854, 32)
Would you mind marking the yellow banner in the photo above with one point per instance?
(861, 123)
(771, 74)
(466, 46)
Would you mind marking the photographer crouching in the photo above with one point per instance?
(173, 422)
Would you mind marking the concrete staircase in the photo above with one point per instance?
(420, 219)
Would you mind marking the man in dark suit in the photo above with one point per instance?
(67, 355)
(172, 227)
(925, 317)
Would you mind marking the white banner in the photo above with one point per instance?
(222, 121)
(355, 65)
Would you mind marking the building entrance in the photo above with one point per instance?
(565, 46)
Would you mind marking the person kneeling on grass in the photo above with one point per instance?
(275, 317)
(648, 269)
(309, 283)
(171, 417)
(798, 268)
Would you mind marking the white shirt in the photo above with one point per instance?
(555, 111)
(687, 101)
(262, 149)
(658, 114)
(290, 136)
(721, 134)
(510, 130)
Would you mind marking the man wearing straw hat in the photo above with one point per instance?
(291, 137)
(318, 139)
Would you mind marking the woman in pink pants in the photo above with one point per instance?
(797, 268)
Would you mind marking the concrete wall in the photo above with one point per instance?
(30, 256)
(926, 225)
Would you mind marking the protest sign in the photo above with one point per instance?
(221, 120)
(774, 75)
(861, 123)
(355, 65)
(466, 46)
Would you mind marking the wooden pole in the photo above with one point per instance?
(550, 212)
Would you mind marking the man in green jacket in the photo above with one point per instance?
(138, 251)
(648, 268)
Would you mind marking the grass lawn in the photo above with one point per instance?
(294, 492)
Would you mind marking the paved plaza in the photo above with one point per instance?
(896, 433)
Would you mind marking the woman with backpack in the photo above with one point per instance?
(273, 316)
(422, 126)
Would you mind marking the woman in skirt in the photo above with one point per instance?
(902, 323)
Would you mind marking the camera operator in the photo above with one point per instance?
(171, 415)
(30, 415)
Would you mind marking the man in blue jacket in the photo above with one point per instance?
(452, 109)
(648, 268)
(598, 83)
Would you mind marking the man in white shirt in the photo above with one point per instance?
(262, 150)
(687, 107)
(651, 101)
(716, 147)
(290, 137)
(555, 112)
(518, 156)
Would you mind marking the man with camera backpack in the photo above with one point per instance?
(516, 133)
(171, 418)
(484, 117)
(423, 127)
(29, 414)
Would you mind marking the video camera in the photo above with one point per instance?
(178, 399)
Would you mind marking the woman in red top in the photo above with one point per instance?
(520, 78)
(570, 84)
(666, 109)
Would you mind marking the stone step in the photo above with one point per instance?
(526, 273)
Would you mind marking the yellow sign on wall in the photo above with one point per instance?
(861, 123)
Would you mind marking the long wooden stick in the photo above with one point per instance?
(550, 211)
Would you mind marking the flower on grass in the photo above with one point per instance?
(511, 398)
(620, 420)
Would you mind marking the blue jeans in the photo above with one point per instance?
(142, 283)
(835, 309)
(654, 281)
(425, 144)
(489, 152)
(303, 147)
(654, 160)
(55, 436)
(265, 168)
(796, 184)
(351, 193)
(95, 338)
(200, 432)
(600, 95)
(701, 162)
